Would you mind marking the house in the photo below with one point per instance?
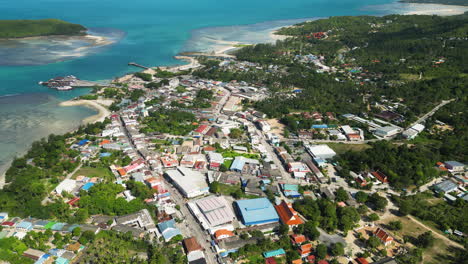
(305, 250)
(168, 229)
(361, 261)
(380, 176)
(215, 160)
(193, 250)
(287, 214)
(223, 233)
(33, 254)
(270, 260)
(384, 237)
(298, 239)
(297, 261)
(3, 216)
(454, 166)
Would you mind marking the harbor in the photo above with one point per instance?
(68, 83)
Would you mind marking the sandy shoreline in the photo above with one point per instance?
(98, 105)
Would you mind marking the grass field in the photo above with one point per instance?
(432, 255)
(340, 148)
(90, 172)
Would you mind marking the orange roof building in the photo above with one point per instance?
(105, 141)
(191, 244)
(296, 261)
(287, 214)
(223, 233)
(383, 236)
(122, 172)
(362, 261)
(298, 239)
(305, 250)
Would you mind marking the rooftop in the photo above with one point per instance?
(257, 211)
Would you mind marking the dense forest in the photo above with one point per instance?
(41, 27)
(416, 61)
(175, 122)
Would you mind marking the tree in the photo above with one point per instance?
(378, 201)
(235, 133)
(337, 249)
(361, 197)
(223, 168)
(341, 195)
(322, 251)
(311, 231)
(395, 225)
(374, 217)
(86, 237)
(215, 187)
(373, 242)
(425, 240)
(405, 207)
(76, 231)
(283, 230)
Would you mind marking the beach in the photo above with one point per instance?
(98, 105)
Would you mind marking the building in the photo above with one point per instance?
(384, 237)
(212, 211)
(387, 131)
(240, 161)
(168, 229)
(274, 253)
(136, 232)
(189, 182)
(454, 166)
(215, 160)
(298, 239)
(298, 167)
(66, 185)
(3, 216)
(256, 211)
(223, 233)
(264, 125)
(141, 219)
(446, 186)
(380, 176)
(193, 250)
(33, 254)
(287, 214)
(320, 151)
(305, 250)
(386, 261)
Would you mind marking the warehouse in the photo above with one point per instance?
(320, 151)
(189, 182)
(256, 211)
(212, 212)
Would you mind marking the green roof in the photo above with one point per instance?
(50, 225)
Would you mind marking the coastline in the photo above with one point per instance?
(98, 105)
(103, 112)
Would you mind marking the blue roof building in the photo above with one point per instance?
(168, 229)
(105, 154)
(256, 211)
(61, 260)
(320, 126)
(238, 164)
(82, 142)
(87, 186)
(42, 259)
(25, 225)
(274, 253)
(291, 190)
(58, 226)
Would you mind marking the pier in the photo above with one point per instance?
(209, 55)
(138, 65)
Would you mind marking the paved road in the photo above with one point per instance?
(430, 113)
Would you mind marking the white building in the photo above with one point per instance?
(387, 131)
(320, 151)
(189, 182)
(66, 185)
(212, 212)
(264, 125)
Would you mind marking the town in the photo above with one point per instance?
(188, 163)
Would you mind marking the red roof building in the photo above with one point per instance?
(380, 176)
(383, 236)
(311, 259)
(322, 262)
(271, 260)
(287, 214)
(362, 261)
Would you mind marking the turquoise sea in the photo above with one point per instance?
(149, 32)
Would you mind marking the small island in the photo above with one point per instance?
(39, 27)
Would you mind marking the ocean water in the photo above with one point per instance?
(151, 33)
